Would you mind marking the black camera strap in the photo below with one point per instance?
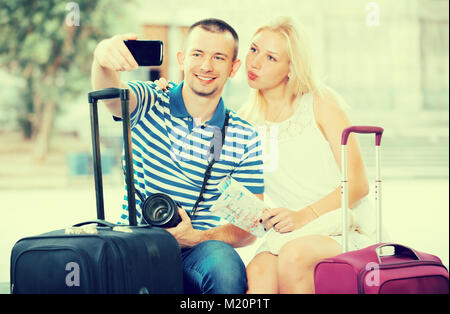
(212, 156)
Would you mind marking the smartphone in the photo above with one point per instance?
(146, 52)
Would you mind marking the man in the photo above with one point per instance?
(171, 136)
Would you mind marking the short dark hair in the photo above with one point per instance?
(217, 26)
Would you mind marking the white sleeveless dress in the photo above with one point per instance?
(300, 169)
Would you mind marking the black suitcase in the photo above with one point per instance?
(112, 259)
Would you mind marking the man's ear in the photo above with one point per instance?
(180, 58)
(235, 67)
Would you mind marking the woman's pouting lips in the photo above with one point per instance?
(252, 76)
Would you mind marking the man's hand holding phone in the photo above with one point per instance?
(112, 53)
(126, 53)
(122, 53)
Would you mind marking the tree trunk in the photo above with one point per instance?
(43, 136)
(26, 123)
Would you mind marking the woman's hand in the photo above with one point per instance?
(162, 84)
(285, 220)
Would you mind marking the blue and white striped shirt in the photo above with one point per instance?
(169, 152)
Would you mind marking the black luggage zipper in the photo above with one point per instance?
(395, 265)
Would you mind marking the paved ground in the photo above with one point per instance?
(416, 213)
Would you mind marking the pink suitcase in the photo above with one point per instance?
(368, 271)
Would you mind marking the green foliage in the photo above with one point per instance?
(52, 56)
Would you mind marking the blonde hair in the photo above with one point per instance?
(302, 78)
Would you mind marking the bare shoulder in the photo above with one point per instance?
(330, 114)
(328, 104)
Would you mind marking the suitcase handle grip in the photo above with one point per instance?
(101, 223)
(362, 129)
(107, 224)
(399, 250)
(105, 93)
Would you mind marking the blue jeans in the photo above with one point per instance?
(213, 267)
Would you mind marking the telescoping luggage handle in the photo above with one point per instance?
(124, 95)
(344, 181)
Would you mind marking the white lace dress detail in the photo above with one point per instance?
(293, 126)
(300, 169)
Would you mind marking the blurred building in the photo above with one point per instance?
(389, 59)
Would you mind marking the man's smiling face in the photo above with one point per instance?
(207, 61)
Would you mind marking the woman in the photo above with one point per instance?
(306, 120)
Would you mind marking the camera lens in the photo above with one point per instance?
(160, 210)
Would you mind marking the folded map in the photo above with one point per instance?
(239, 206)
